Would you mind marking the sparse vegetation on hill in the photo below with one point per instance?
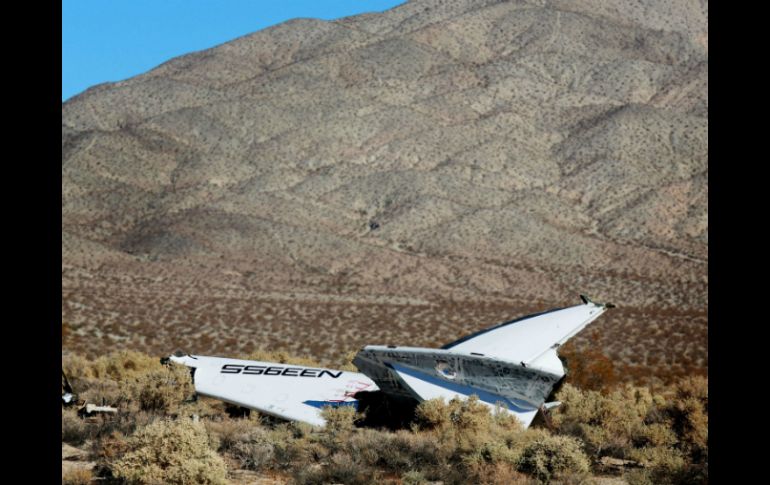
(420, 173)
(161, 436)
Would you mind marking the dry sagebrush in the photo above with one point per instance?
(171, 452)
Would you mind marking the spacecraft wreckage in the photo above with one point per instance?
(513, 366)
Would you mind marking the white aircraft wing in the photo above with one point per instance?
(531, 339)
(286, 391)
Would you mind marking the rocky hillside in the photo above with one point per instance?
(401, 177)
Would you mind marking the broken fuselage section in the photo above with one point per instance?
(512, 367)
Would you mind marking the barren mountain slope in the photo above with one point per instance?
(402, 177)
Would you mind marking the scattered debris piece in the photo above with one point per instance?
(90, 409)
(68, 396)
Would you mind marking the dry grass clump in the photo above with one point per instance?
(170, 452)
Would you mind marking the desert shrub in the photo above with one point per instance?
(340, 423)
(341, 467)
(170, 452)
(367, 445)
(109, 448)
(424, 450)
(293, 446)
(493, 451)
(77, 476)
(465, 425)
(666, 433)
(589, 368)
(162, 389)
(345, 361)
(693, 473)
(124, 364)
(432, 414)
(226, 431)
(76, 366)
(499, 473)
(73, 429)
(394, 452)
(663, 458)
(662, 465)
(100, 391)
(689, 415)
(339, 419)
(464, 414)
(654, 434)
(686, 475)
(208, 408)
(117, 365)
(551, 456)
(413, 477)
(124, 422)
(252, 448)
(342, 453)
(78, 371)
(470, 444)
(613, 423)
(130, 378)
(639, 476)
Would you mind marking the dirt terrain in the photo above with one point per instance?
(403, 177)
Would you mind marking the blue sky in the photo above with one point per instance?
(111, 40)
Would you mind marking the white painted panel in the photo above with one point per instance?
(527, 339)
(287, 391)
